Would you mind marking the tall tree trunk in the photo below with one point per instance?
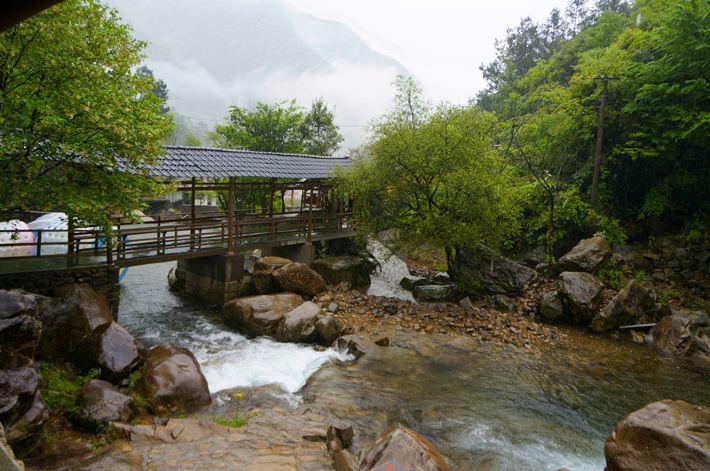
(550, 242)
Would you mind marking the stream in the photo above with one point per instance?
(486, 407)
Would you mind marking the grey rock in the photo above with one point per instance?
(551, 309)
(411, 282)
(101, 403)
(263, 279)
(328, 329)
(685, 333)
(353, 270)
(348, 344)
(299, 325)
(483, 269)
(581, 294)
(299, 278)
(436, 293)
(628, 307)
(589, 255)
(8, 462)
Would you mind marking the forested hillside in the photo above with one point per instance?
(545, 87)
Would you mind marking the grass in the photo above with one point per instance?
(62, 386)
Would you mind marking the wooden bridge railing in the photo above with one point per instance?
(175, 236)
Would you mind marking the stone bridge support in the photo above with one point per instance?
(303, 253)
(215, 279)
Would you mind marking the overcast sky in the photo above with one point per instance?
(442, 42)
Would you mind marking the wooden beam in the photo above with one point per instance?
(230, 217)
(14, 11)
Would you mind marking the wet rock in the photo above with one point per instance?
(299, 278)
(29, 424)
(343, 432)
(116, 352)
(663, 435)
(502, 302)
(405, 449)
(333, 307)
(20, 330)
(299, 325)
(581, 294)
(550, 308)
(466, 303)
(436, 293)
(176, 282)
(353, 270)
(328, 329)
(262, 277)
(8, 462)
(484, 269)
(101, 403)
(22, 409)
(383, 342)
(685, 334)
(629, 306)
(344, 461)
(589, 255)
(260, 315)
(69, 322)
(172, 379)
(533, 257)
(349, 345)
(411, 282)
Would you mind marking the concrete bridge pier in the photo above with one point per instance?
(215, 278)
(303, 253)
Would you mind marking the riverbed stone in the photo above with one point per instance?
(581, 294)
(263, 278)
(628, 307)
(403, 448)
(20, 330)
(22, 409)
(350, 345)
(16, 302)
(299, 278)
(261, 315)
(663, 435)
(100, 403)
(78, 316)
(411, 282)
(328, 329)
(436, 293)
(686, 334)
(550, 308)
(172, 380)
(482, 269)
(353, 270)
(116, 352)
(589, 255)
(299, 325)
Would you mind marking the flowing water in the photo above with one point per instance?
(485, 407)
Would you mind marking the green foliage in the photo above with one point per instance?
(657, 126)
(281, 127)
(236, 421)
(133, 379)
(640, 276)
(71, 105)
(62, 386)
(434, 176)
(669, 294)
(612, 277)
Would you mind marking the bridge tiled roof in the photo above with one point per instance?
(206, 162)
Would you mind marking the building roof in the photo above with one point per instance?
(206, 162)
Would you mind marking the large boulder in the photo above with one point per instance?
(329, 329)
(629, 306)
(685, 334)
(101, 403)
(116, 352)
(172, 380)
(663, 435)
(483, 269)
(403, 448)
(79, 316)
(22, 409)
(20, 330)
(581, 294)
(263, 279)
(436, 293)
(260, 315)
(353, 270)
(589, 255)
(299, 325)
(299, 278)
(550, 308)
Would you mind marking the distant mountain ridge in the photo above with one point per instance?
(234, 38)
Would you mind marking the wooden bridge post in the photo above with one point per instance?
(192, 214)
(230, 216)
(309, 236)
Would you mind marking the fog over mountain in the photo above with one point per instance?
(221, 52)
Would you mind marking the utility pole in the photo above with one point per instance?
(600, 138)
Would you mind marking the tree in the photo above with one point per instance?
(272, 128)
(73, 114)
(160, 88)
(432, 176)
(280, 127)
(319, 134)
